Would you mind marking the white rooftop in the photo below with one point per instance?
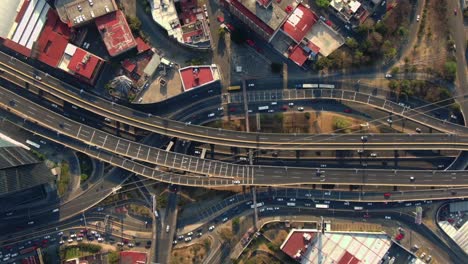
(8, 14)
(165, 14)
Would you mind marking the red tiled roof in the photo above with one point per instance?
(190, 80)
(313, 47)
(83, 69)
(296, 242)
(53, 39)
(22, 10)
(348, 258)
(115, 33)
(188, 36)
(128, 65)
(132, 257)
(251, 16)
(299, 22)
(141, 45)
(17, 47)
(298, 55)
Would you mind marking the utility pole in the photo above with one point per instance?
(247, 128)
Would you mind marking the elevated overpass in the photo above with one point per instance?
(172, 128)
(114, 150)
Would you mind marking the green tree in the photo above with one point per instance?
(393, 85)
(83, 177)
(402, 31)
(341, 125)
(395, 70)
(450, 70)
(235, 224)
(390, 53)
(323, 63)
(113, 257)
(323, 3)
(352, 43)
(381, 28)
(307, 115)
(221, 32)
(134, 23)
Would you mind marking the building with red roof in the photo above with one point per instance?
(292, 28)
(132, 257)
(299, 23)
(263, 16)
(53, 40)
(142, 46)
(84, 65)
(309, 246)
(197, 76)
(115, 33)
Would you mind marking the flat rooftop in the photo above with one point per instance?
(78, 12)
(272, 16)
(336, 247)
(115, 33)
(325, 38)
(196, 76)
(83, 63)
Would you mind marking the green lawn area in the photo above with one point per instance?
(80, 250)
(62, 184)
(86, 166)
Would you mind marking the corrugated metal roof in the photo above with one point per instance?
(152, 65)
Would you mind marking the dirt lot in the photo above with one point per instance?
(294, 122)
(430, 50)
(192, 254)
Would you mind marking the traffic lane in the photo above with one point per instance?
(141, 169)
(140, 115)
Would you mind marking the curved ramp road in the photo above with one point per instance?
(221, 173)
(202, 134)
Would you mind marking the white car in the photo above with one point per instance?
(417, 18)
(373, 155)
(388, 76)
(61, 242)
(251, 85)
(236, 182)
(187, 239)
(174, 242)
(388, 217)
(220, 108)
(211, 114)
(79, 239)
(300, 108)
(190, 234)
(14, 255)
(211, 228)
(291, 104)
(37, 77)
(47, 237)
(100, 239)
(271, 111)
(59, 233)
(225, 219)
(70, 240)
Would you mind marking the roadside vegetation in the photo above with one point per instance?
(375, 41)
(433, 52)
(195, 254)
(64, 179)
(79, 250)
(86, 166)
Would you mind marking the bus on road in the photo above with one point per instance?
(261, 108)
(234, 88)
(322, 206)
(32, 143)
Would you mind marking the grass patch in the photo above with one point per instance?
(80, 250)
(62, 183)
